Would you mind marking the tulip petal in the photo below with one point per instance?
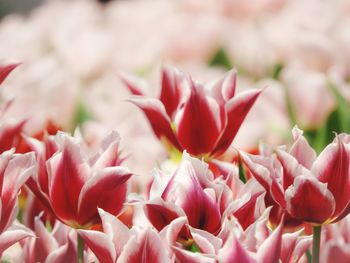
(100, 244)
(14, 234)
(67, 174)
(301, 247)
(270, 250)
(233, 252)
(115, 229)
(291, 168)
(206, 242)
(158, 119)
(170, 93)
(16, 173)
(66, 253)
(337, 252)
(148, 249)
(301, 149)
(106, 190)
(237, 109)
(224, 89)
(171, 232)
(10, 134)
(263, 171)
(289, 242)
(161, 213)
(198, 122)
(6, 69)
(4, 160)
(309, 200)
(109, 154)
(333, 167)
(246, 214)
(135, 85)
(201, 210)
(45, 242)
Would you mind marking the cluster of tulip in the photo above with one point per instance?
(78, 203)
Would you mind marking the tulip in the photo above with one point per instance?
(50, 246)
(233, 244)
(117, 243)
(310, 188)
(15, 169)
(10, 130)
(187, 116)
(73, 186)
(190, 191)
(335, 246)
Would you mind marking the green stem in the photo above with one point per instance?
(80, 249)
(316, 241)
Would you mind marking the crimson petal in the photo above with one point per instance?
(67, 175)
(333, 167)
(106, 190)
(237, 109)
(170, 93)
(6, 69)
(198, 122)
(158, 118)
(309, 200)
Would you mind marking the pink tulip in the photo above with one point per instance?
(314, 190)
(73, 186)
(15, 169)
(50, 246)
(119, 244)
(15, 233)
(336, 244)
(202, 120)
(190, 191)
(256, 244)
(10, 129)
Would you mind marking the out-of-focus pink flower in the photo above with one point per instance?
(5, 69)
(336, 243)
(187, 116)
(73, 185)
(10, 128)
(315, 190)
(15, 169)
(118, 243)
(309, 95)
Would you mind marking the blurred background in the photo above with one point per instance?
(73, 52)
(17, 6)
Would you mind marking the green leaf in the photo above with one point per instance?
(323, 136)
(276, 72)
(343, 109)
(242, 175)
(221, 59)
(289, 105)
(81, 115)
(337, 122)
